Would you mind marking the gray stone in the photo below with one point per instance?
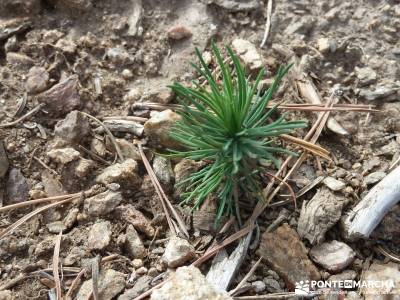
(188, 283)
(74, 128)
(37, 80)
(63, 155)
(380, 92)
(19, 61)
(334, 184)
(17, 187)
(177, 252)
(103, 203)
(388, 273)
(259, 286)
(163, 170)
(99, 235)
(110, 284)
(272, 285)
(4, 164)
(141, 285)
(62, 98)
(124, 173)
(56, 227)
(158, 128)
(374, 177)
(365, 75)
(345, 275)
(334, 256)
(248, 53)
(134, 244)
(236, 5)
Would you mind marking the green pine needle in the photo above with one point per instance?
(227, 127)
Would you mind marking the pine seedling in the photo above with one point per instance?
(227, 126)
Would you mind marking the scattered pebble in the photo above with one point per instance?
(37, 80)
(334, 184)
(124, 173)
(17, 187)
(74, 128)
(177, 252)
(99, 235)
(334, 256)
(158, 128)
(248, 53)
(103, 203)
(63, 155)
(179, 32)
(374, 178)
(134, 244)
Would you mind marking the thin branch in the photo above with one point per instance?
(267, 23)
(27, 115)
(111, 136)
(56, 261)
(244, 280)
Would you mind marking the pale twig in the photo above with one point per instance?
(56, 261)
(36, 201)
(111, 136)
(163, 197)
(386, 253)
(94, 155)
(27, 115)
(244, 280)
(267, 24)
(95, 278)
(127, 118)
(74, 284)
(45, 166)
(25, 218)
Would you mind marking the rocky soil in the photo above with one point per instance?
(68, 60)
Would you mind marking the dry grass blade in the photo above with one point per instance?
(290, 106)
(25, 218)
(167, 206)
(315, 149)
(27, 115)
(267, 23)
(56, 262)
(292, 193)
(36, 201)
(127, 118)
(111, 136)
(95, 277)
(74, 284)
(244, 280)
(386, 253)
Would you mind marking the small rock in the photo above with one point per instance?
(319, 214)
(62, 98)
(124, 173)
(302, 26)
(183, 169)
(248, 53)
(134, 244)
(163, 170)
(158, 128)
(133, 95)
(188, 283)
(19, 60)
(63, 155)
(379, 93)
(141, 285)
(37, 80)
(66, 46)
(286, 254)
(118, 55)
(84, 167)
(164, 95)
(99, 236)
(388, 275)
(141, 271)
(131, 215)
(137, 263)
(374, 178)
(6, 295)
(365, 75)
(334, 256)
(334, 184)
(236, 5)
(4, 164)
(56, 227)
(70, 218)
(179, 32)
(326, 45)
(74, 128)
(98, 147)
(12, 44)
(17, 187)
(259, 286)
(129, 150)
(75, 255)
(345, 275)
(177, 252)
(389, 229)
(110, 284)
(103, 203)
(272, 285)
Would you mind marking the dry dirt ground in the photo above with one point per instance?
(107, 57)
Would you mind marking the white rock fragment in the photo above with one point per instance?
(177, 252)
(121, 173)
(248, 53)
(99, 236)
(374, 177)
(188, 283)
(63, 155)
(334, 184)
(103, 203)
(388, 274)
(334, 256)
